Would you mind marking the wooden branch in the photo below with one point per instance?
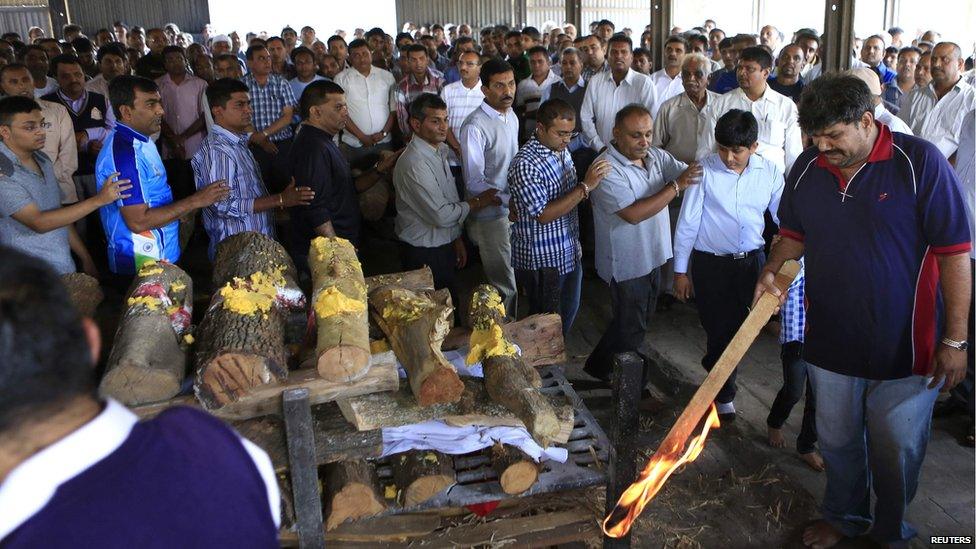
(516, 471)
(352, 492)
(419, 475)
(339, 302)
(416, 280)
(415, 325)
(540, 338)
(475, 407)
(148, 358)
(84, 292)
(508, 380)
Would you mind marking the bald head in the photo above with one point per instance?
(946, 64)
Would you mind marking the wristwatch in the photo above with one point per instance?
(957, 345)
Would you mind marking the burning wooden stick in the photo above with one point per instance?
(672, 452)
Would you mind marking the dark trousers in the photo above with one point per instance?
(442, 262)
(548, 291)
(179, 175)
(723, 292)
(274, 167)
(794, 380)
(632, 303)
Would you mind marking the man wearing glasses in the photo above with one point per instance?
(545, 193)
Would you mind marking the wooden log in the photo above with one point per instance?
(339, 303)
(416, 280)
(415, 325)
(243, 254)
(352, 492)
(539, 337)
(516, 471)
(148, 358)
(419, 475)
(374, 200)
(508, 380)
(475, 407)
(84, 292)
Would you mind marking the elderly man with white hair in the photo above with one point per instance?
(678, 120)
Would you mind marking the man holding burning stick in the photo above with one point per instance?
(882, 226)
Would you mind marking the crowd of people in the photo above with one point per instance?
(694, 180)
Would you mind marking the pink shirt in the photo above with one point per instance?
(182, 105)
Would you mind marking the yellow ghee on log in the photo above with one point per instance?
(488, 343)
(331, 302)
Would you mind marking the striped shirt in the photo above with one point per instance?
(407, 90)
(224, 155)
(538, 175)
(268, 101)
(461, 102)
(793, 314)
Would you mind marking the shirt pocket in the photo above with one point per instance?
(771, 132)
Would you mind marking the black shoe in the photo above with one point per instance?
(726, 418)
(602, 375)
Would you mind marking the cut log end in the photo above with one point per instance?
(343, 363)
(229, 377)
(517, 472)
(133, 383)
(425, 488)
(354, 501)
(441, 385)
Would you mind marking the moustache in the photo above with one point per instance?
(507, 98)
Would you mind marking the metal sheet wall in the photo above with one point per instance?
(540, 12)
(478, 14)
(624, 13)
(189, 15)
(20, 18)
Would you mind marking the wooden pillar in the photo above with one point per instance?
(59, 16)
(574, 15)
(839, 35)
(628, 372)
(662, 19)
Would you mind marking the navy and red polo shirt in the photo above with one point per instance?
(873, 304)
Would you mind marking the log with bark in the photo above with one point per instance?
(415, 324)
(148, 358)
(538, 337)
(339, 304)
(508, 380)
(242, 336)
(516, 471)
(84, 292)
(351, 492)
(419, 475)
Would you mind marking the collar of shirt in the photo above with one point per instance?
(227, 135)
(716, 163)
(769, 94)
(960, 85)
(572, 88)
(317, 133)
(882, 150)
(431, 79)
(426, 149)
(80, 102)
(618, 157)
(250, 80)
(5, 151)
(536, 148)
(492, 112)
(126, 130)
(629, 79)
(32, 484)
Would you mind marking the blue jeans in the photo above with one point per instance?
(872, 433)
(550, 292)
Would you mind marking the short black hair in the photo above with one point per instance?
(757, 55)
(249, 53)
(275, 38)
(122, 91)
(63, 59)
(737, 128)
(641, 51)
(46, 358)
(315, 94)
(537, 49)
(414, 48)
(677, 40)
(287, 29)
(425, 101)
(375, 31)
(113, 48)
(910, 49)
(700, 38)
(554, 109)
(32, 47)
(357, 43)
(494, 67)
(16, 104)
(832, 99)
(724, 43)
(12, 67)
(532, 33)
(219, 92)
(630, 110)
(173, 49)
(806, 36)
(299, 51)
(402, 36)
(602, 22)
(618, 38)
(82, 45)
(335, 37)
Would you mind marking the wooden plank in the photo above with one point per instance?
(266, 399)
(492, 533)
(628, 371)
(393, 409)
(540, 337)
(302, 468)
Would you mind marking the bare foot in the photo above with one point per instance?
(775, 437)
(814, 460)
(821, 535)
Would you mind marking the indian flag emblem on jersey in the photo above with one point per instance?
(144, 248)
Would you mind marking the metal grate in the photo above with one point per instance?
(477, 482)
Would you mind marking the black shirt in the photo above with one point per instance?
(150, 66)
(793, 92)
(316, 162)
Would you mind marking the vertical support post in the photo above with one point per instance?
(58, 10)
(521, 16)
(302, 466)
(839, 35)
(574, 15)
(662, 19)
(628, 374)
(891, 13)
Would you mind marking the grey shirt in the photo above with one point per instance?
(19, 187)
(625, 251)
(429, 212)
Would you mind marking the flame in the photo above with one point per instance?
(657, 471)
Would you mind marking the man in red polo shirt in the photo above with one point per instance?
(882, 226)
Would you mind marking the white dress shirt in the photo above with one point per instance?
(98, 85)
(938, 120)
(966, 169)
(50, 86)
(461, 102)
(370, 100)
(604, 98)
(61, 147)
(665, 87)
(677, 125)
(32, 483)
(528, 94)
(723, 214)
(779, 131)
(883, 115)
